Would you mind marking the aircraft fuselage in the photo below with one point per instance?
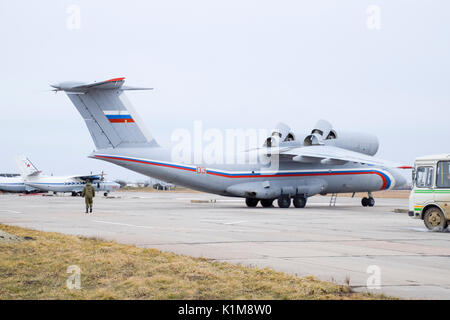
(240, 179)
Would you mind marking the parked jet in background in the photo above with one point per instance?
(33, 178)
(324, 161)
(13, 182)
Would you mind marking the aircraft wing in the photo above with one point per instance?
(328, 155)
(88, 177)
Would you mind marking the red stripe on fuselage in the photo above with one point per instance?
(302, 175)
(146, 162)
(254, 176)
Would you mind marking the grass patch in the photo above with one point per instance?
(37, 269)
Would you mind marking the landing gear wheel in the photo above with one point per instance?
(105, 194)
(250, 202)
(434, 218)
(371, 202)
(284, 202)
(299, 202)
(267, 203)
(365, 202)
(74, 194)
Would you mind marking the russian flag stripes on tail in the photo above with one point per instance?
(118, 116)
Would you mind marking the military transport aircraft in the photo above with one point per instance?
(33, 178)
(324, 161)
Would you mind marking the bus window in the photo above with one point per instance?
(424, 177)
(443, 174)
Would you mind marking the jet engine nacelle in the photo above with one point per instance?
(323, 130)
(359, 142)
(281, 134)
(324, 134)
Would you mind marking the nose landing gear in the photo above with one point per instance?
(368, 202)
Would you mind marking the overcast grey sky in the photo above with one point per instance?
(232, 64)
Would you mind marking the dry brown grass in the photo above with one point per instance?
(36, 269)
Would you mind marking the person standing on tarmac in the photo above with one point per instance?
(88, 194)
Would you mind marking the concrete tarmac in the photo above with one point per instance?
(345, 243)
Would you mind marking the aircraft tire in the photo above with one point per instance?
(365, 202)
(284, 202)
(299, 202)
(105, 194)
(371, 202)
(435, 219)
(267, 203)
(74, 194)
(251, 202)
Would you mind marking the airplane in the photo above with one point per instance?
(325, 161)
(13, 182)
(33, 178)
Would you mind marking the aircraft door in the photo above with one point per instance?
(423, 191)
(442, 190)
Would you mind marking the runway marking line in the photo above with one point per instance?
(10, 211)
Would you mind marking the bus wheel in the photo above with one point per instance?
(434, 218)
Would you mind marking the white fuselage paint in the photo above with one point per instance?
(14, 184)
(67, 184)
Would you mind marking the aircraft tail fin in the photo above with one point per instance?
(26, 167)
(109, 116)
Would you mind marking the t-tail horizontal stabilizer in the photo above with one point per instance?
(109, 116)
(26, 167)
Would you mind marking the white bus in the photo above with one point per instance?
(430, 196)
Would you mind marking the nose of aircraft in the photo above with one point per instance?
(400, 180)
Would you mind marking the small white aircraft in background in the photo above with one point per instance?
(13, 182)
(33, 178)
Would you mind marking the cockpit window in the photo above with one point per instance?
(424, 177)
(443, 174)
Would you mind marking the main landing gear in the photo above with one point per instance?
(368, 202)
(283, 202)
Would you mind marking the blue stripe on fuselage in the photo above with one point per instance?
(253, 174)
